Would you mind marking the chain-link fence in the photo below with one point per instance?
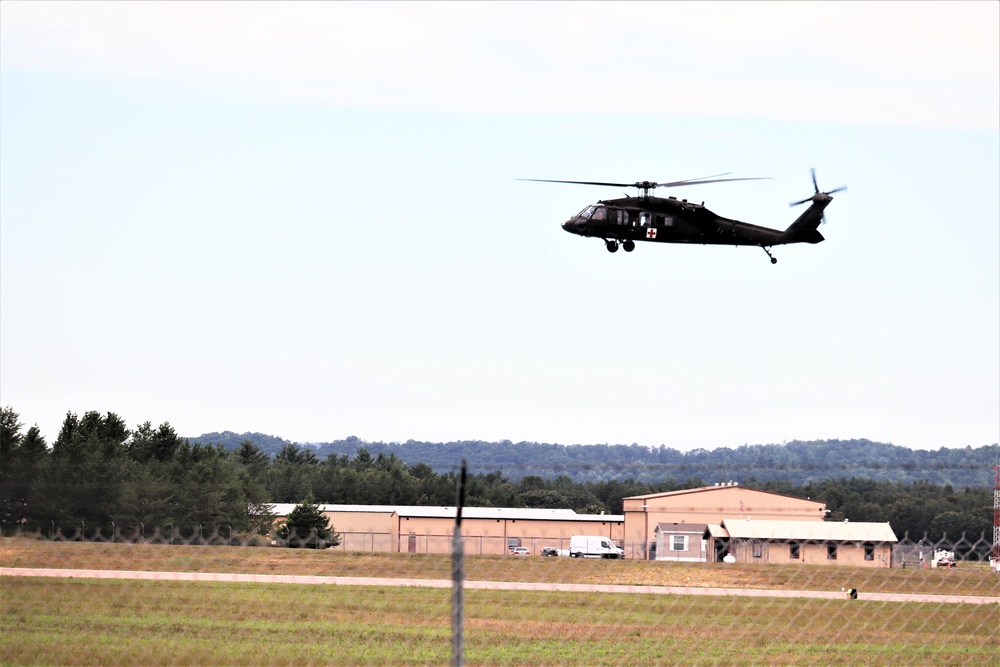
(208, 595)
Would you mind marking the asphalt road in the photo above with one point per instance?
(488, 585)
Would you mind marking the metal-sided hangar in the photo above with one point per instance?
(706, 524)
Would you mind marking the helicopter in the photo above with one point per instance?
(622, 222)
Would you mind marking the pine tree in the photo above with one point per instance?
(307, 527)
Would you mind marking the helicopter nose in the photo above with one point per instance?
(573, 225)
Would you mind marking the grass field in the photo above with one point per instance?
(101, 622)
(968, 579)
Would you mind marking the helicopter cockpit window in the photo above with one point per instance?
(600, 213)
(586, 213)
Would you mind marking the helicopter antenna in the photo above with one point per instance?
(645, 187)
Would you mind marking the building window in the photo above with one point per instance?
(795, 551)
(831, 551)
(758, 550)
(869, 551)
(678, 543)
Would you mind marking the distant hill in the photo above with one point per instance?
(796, 462)
(269, 444)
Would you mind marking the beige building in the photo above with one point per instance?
(487, 530)
(707, 505)
(824, 543)
(707, 524)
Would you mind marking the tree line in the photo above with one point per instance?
(798, 462)
(98, 473)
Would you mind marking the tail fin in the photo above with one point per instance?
(805, 228)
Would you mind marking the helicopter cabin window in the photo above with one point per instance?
(644, 219)
(619, 216)
(600, 213)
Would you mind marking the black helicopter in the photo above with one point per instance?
(647, 218)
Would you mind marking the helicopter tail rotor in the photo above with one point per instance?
(817, 195)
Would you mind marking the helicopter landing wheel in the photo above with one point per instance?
(628, 246)
(612, 246)
(774, 260)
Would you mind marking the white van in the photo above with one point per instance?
(593, 546)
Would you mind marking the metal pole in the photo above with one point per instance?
(457, 577)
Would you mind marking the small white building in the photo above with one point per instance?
(682, 542)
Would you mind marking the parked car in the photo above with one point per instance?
(944, 558)
(520, 551)
(550, 551)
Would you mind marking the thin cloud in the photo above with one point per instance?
(923, 64)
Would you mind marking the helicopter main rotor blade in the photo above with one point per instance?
(708, 179)
(648, 185)
(548, 180)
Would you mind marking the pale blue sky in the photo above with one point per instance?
(302, 219)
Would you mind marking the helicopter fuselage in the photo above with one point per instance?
(672, 220)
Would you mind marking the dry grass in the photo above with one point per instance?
(967, 579)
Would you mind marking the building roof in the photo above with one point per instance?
(720, 487)
(423, 511)
(809, 530)
(681, 528)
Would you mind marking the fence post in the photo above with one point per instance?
(457, 576)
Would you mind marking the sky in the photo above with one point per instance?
(303, 219)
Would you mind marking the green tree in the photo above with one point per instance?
(13, 488)
(10, 436)
(306, 526)
(251, 457)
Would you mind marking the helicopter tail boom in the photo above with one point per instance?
(805, 229)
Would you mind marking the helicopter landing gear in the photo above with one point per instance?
(774, 260)
(612, 246)
(628, 246)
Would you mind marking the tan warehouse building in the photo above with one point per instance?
(487, 530)
(710, 505)
(730, 522)
(707, 524)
